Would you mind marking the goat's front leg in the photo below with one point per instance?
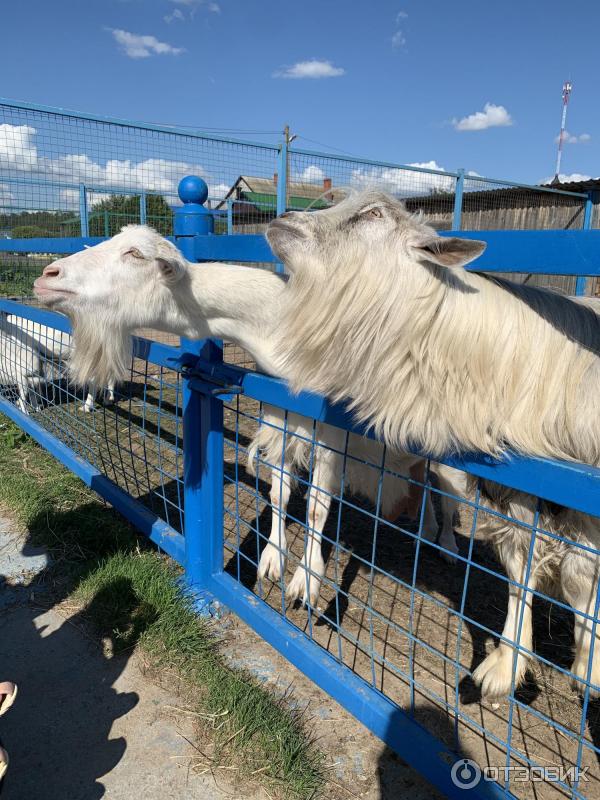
(306, 582)
(272, 559)
(109, 394)
(494, 674)
(579, 581)
(90, 400)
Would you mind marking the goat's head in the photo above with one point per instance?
(108, 291)
(366, 227)
(124, 274)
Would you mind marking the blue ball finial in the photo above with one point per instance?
(192, 189)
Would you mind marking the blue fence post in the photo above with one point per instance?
(282, 183)
(229, 217)
(83, 211)
(458, 200)
(202, 427)
(581, 283)
(143, 208)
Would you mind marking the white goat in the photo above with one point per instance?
(140, 280)
(339, 461)
(44, 346)
(380, 312)
(20, 363)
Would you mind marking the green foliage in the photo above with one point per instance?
(46, 223)
(28, 232)
(107, 217)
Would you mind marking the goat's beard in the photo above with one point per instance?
(100, 354)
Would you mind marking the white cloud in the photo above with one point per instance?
(492, 116)
(6, 196)
(574, 177)
(217, 191)
(310, 69)
(136, 45)
(312, 174)
(403, 182)
(18, 152)
(177, 14)
(211, 6)
(17, 148)
(569, 138)
(398, 39)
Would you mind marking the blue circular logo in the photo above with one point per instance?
(465, 773)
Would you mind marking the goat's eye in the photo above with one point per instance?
(374, 212)
(133, 251)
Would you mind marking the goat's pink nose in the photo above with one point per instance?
(51, 271)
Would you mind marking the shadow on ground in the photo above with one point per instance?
(58, 733)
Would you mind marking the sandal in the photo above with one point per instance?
(8, 694)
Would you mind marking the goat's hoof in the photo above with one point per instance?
(580, 674)
(271, 563)
(494, 674)
(304, 586)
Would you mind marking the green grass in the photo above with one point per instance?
(129, 593)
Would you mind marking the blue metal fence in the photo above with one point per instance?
(400, 631)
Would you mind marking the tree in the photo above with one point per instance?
(107, 217)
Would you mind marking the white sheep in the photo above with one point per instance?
(380, 313)
(157, 288)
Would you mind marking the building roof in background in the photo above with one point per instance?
(589, 185)
(301, 195)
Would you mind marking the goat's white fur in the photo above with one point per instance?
(285, 443)
(140, 280)
(381, 314)
(26, 350)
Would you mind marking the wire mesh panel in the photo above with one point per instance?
(46, 157)
(405, 573)
(317, 180)
(131, 432)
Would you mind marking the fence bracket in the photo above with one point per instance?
(210, 385)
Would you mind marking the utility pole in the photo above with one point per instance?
(288, 140)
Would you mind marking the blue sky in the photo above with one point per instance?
(385, 80)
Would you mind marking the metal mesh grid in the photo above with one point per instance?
(396, 613)
(46, 156)
(133, 434)
(317, 179)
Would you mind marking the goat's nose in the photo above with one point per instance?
(51, 271)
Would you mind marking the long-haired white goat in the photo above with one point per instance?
(379, 313)
(140, 280)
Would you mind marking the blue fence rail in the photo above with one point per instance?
(201, 546)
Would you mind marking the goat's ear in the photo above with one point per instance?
(449, 251)
(171, 269)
